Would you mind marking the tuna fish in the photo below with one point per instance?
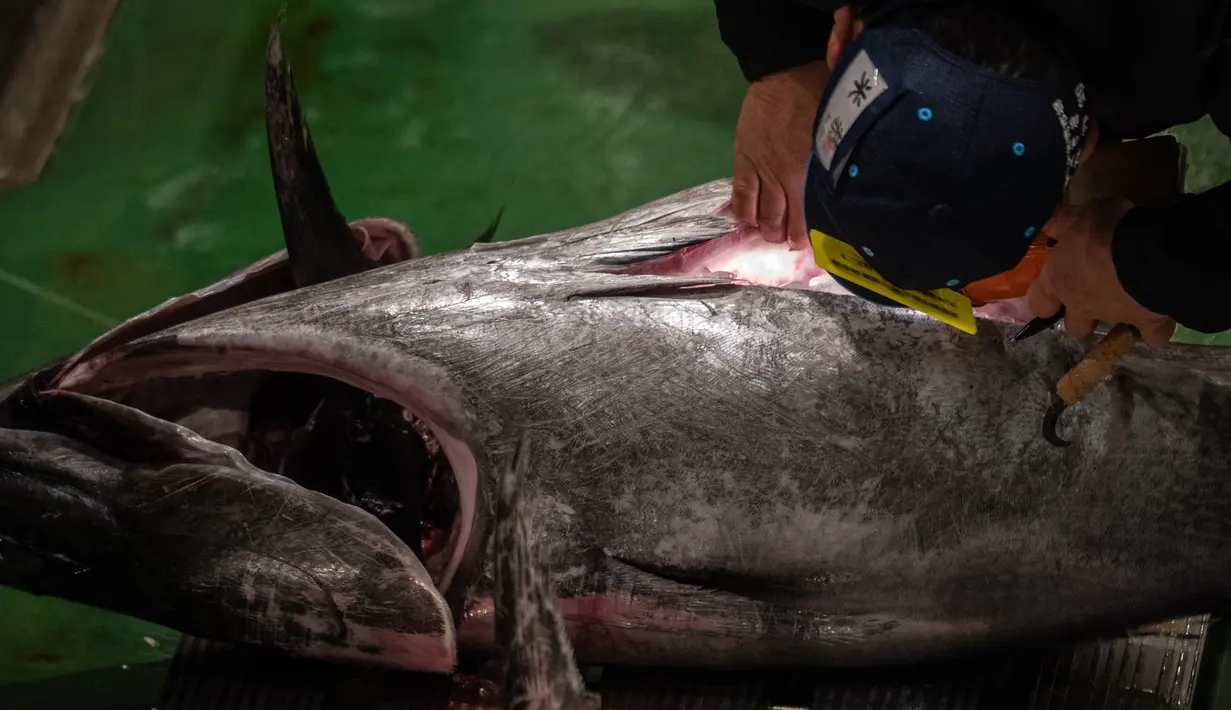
(736, 464)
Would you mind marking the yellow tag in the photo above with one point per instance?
(841, 260)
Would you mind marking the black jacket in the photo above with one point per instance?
(1149, 65)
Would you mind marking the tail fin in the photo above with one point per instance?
(540, 671)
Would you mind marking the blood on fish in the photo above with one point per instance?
(434, 539)
(358, 448)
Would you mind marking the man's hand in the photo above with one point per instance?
(772, 143)
(1080, 274)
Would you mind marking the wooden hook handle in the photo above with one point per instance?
(1096, 367)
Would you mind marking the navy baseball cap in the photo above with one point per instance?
(940, 171)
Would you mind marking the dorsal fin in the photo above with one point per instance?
(318, 240)
(490, 232)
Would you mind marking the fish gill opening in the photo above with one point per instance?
(325, 435)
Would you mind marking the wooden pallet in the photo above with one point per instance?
(47, 48)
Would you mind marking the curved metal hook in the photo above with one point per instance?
(1051, 421)
(1093, 370)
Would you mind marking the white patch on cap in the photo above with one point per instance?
(857, 88)
(1073, 128)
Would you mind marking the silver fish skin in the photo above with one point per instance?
(107, 506)
(726, 474)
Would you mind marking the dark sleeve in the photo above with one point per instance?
(1176, 259)
(768, 36)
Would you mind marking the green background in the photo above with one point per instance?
(436, 112)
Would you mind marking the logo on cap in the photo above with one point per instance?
(860, 84)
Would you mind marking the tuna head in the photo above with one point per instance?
(321, 483)
(344, 419)
(106, 504)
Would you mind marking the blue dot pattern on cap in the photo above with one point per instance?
(868, 251)
(854, 170)
(925, 114)
(1029, 232)
(952, 282)
(1019, 149)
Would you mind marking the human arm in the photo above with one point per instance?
(1163, 260)
(1148, 266)
(1176, 259)
(781, 48)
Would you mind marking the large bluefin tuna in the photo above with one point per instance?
(734, 466)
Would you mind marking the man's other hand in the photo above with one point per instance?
(773, 140)
(1080, 274)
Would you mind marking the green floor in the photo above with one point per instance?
(437, 112)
